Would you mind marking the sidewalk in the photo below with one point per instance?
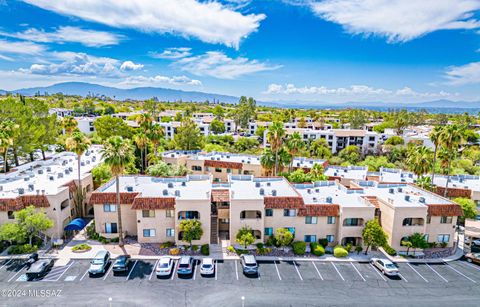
(456, 256)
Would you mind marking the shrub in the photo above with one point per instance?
(318, 250)
(114, 240)
(205, 249)
(270, 241)
(323, 242)
(81, 247)
(231, 249)
(339, 252)
(348, 247)
(174, 251)
(241, 251)
(194, 248)
(432, 244)
(261, 251)
(299, 247)
(22, 249)
(166, 244)
(313, 245)
(358, 249)
(260, 245)
(443, 244)
(389, 250)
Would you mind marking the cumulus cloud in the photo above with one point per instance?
(129, 65)
(171, 53)
(208, 21)
(175, 80)
(465, 74)
(353, 90)
(218, 65)
(23, 48)
(398, 20)
(69, 34)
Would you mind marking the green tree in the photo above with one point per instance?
(245, 236)
(155, 135)
(7, 132)
(319, 149)
(117, 153)
(245, 111)
(267, 160)
(357, 118)
(435, 138)
(375, 163)
(244, 144)
(451, 138)
(217, 127)
(188, 136)
(218, 111)
(424, 182)
(192, 230)
(419, 159)
(395, 140)
(373, 235)
(101, 174)
(69, 124)
(350, 154)
(283, 237)
(407, 244)
(108, 126)
(469, 208)
(294, 145)
(418, 241)
(33, 222)
(78, 143)
(275, 136)
(162, 169)
(12, 233)
(141, 141)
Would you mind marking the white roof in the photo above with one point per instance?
(396, 175)
(325, 192)
(248, 187)
(349, 172)
(459, 181)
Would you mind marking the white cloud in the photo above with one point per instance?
(398, 20)
(353, 90)
(129, 65)
(145, 81)
(466, 74)
(85, 37)
(172, 53)
(23, 48)
(208, 21)
(218, 65)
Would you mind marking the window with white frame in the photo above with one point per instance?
(289, 212)
(111, 228)
(311, 220)
(170, 232)
(109, 208)
(148, 213)
(268, 231)
(310, 238)
(169, 213)
(443, 238)
(330, 238)
(331, 220)
(268, 212)
(446, 220)
(149, 233)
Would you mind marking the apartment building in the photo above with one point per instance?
(346, 174)
(60, 112)
(49, 185)
(85, 124)
(459, 186)
(170, 128)
(392, 175)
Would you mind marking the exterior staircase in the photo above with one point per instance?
(214, 229)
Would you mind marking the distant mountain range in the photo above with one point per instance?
(165, 94)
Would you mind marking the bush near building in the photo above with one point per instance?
(317, 249)
(205, 249)
(340, 252)
(299, 247)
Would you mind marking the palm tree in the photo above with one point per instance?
(424, 182)
(117, 153)
(8, 130)
(141, 141)
(275, 135)
(69, 124)
(451, 138)
(294, 145)
(267, 160)
(419, 159)
(435, 138)
(284, 159)
(155, 135)
(78, 143)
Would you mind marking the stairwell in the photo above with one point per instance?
(214, 229)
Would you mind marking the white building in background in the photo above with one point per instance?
(61, 112)
(170, 128)
(85, 124)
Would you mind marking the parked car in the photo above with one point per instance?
(473, 257)
(100, 263)
(39, 269)
(121, 264)
(31, 260)
(207, 267)
(385, 266)
(249, 264)
(164, 266)
(185, 265)
(475, 246)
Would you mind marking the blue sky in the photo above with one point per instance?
(318, 51)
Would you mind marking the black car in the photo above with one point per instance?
(121, 264)
(39, 269)
(31, 260)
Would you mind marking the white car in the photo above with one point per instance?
(164, 266)
(207, 267)
(385, 266)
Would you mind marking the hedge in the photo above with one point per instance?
(340, 252)
(205, 249)
(22, 249)
(389, 250)
(317, 249)
(299, 247)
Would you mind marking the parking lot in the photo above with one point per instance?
(230, 271)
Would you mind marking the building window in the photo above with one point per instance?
(224, 221)
(291, 229)
(426, 237)
(10, 214)
(148, 213)
(218, 170)
(331, 220)
(310, 220)
(446, 220)
(229, 170)
(268, 212)
(109, 208)
(88, 188)
(196, 168)
(207, 168)
(289, 212)
(407, 222)
(351, 222)
(330, 238)
(310, 238)
(170, 232)
(111, 228)
(149, 233)
(268, 231)
(429, 219)
(169, 213)
(443, 238)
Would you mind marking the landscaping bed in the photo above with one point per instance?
(81, 248)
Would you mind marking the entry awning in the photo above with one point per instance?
(76, 224)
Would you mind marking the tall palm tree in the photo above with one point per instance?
(78, 143)
(267, 160)
(419, 159)
(155, 135)
(451, 138)
(435, 138)
(294, 145)
(141, 141)
(69, 124)
(8, 130)
(117, 153)
(275, 135)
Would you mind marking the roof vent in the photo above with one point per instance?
(170, 185)
(21, 191)
(31, 187)
(407, 197)
(165, 192)
(94, 158)
(172, 155)
(257, 184)
(49, 169)
(309, 191)
(40, 171)
(26, 179)
(129, 188)
(400, 190)
(315, 199)
(177, 193)
(60, 175)
(82, 163)
(391, 191)
(422, 200)
(67, 172)
(298, 163)
(274, 192)
(70, 169)
(329, 199)
(184, 184)
(51, 178)
(228, 157)
(269, 184)
(1, 188)
(262, 192)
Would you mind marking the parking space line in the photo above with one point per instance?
(318, 272)
(65, 271)
(19, 271)
(417, 272)
(357, 271)
(236, 270)
(108, 272)
(86, 272)
(133, 268)
(195, 270)
(174, 269)
(216, 268)
(337, 271)
(296, 268)
(470, 265)
(153, 270)
(436, 273)
(460, 273)
(278, 272)
(9, 260)
(381, 275)
(401, 276)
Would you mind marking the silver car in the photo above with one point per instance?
(385, 266)
(164, 266)
(99, 263)
(249, 264)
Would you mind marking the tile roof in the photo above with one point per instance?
(320, 210)
(283, 202)
(102, 197)
(153, 203)
(220, 195)
(15, 204)
(444, 210)
(454, 192)
(223, 164)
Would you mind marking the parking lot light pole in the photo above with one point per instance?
(243, 301)
(110, 301)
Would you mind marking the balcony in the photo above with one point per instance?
(188, 215)
(353, 222)
(411, 221)
(250, 214)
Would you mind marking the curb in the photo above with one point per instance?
(454, 257)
